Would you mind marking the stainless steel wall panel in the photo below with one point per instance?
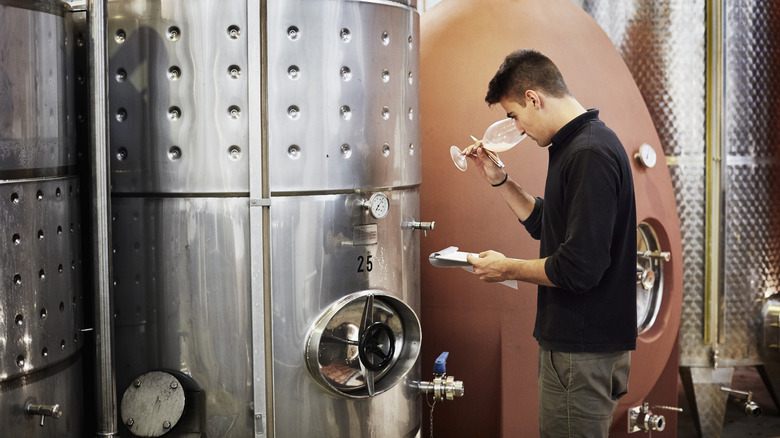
(662, 43)
(41, 307)
(181, 285)
(752, 257)
(689, 182)
(751, 211)
(343, 95)
(61, 384)
(316, 261)
(41, 296)
(37, 117)
(178, 96)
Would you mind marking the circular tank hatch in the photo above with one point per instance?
(649, 277)
(363, 344)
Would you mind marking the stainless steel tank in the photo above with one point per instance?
(41, 299)
(265, 171)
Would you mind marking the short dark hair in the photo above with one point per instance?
(523, 70)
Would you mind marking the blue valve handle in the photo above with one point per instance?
(440, 366)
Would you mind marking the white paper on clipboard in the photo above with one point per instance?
(450, 257)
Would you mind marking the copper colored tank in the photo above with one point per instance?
(488, 327)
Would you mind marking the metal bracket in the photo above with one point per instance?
(262, 202)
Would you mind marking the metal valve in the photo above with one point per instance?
(641, 419)
(414, 225)
(745, 400)
(665, 255)
(44, 411)
(443, 387)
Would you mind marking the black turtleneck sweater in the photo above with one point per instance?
(586, 225)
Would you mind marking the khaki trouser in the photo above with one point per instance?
(578, 392)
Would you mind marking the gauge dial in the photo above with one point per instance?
(646, 155)
(379, 205)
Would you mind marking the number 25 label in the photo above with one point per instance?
(365, 264)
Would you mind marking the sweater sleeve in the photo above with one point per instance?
(592, 182)
(533, 223)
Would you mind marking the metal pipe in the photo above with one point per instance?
(714, 164)
(260, 202)
(100, 211)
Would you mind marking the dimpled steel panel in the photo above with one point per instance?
(751, 212)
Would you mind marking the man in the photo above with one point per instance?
(586, 224)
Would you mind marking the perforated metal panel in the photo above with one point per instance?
(752, 214)
(41, 294)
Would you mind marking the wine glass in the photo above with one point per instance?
(499, 137)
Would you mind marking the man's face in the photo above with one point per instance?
(526, 119)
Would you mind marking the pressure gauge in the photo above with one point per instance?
(646, 155)
(378, 205)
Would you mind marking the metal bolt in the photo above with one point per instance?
(167, 425)
(174, 385)
(130, 422)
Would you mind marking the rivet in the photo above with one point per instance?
(385, 38)
(385, 113)
(121, 75)
(234, 32)
(174, 113)
(345, 112)
(174, 73)
(174, 153)
(120, 36)
(345, 35)
(130, 422)
(346, 73)
(234, 152)
(385, 76)
(293, 112)
(411, 78)
(137, 383)
(386, 150)
(294, 152)
(167, 425)
(121, 115)
(174, 385)
(234, 112)
(293, 33)
(293, 72)
(174, 33)
(346, 150)
(234, 71)
(121, 154)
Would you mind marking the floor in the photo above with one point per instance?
(737, 424)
